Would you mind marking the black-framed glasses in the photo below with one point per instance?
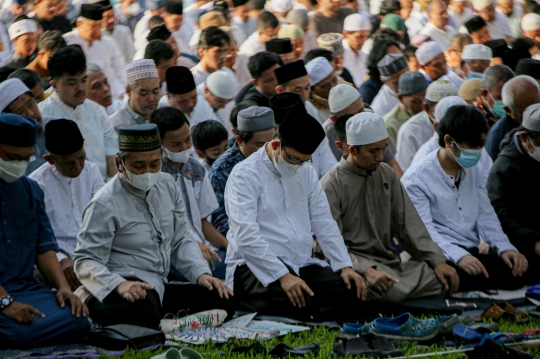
(296, 161)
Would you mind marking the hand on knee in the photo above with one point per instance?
(133, 291)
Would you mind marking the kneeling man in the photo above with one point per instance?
(371, 207)
(274, 201)
(132, 230)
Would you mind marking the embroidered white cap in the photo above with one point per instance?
(22, 27)
(365, 128)
(222, 84)
(341, 97)
(140, 69)
(476, 52)
(318, 69)
(356, 22)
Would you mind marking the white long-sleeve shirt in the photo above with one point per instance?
(355, 63)
(411, 136)
(443, 38)
(123, 37)
(385, 101)
(252, 45)
(271, 220)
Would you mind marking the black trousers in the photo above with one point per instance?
(500, 275)
(188, 299)
(332, 299)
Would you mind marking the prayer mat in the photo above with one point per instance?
(499, 295)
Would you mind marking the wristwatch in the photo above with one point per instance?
(5, 301)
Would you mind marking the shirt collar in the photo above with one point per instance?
(267, 161)
(344, 164)
(60, 177)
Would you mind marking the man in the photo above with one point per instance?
(356, 30)
(282, 47)
(432, 63)
(122, 277)
(163, 56)
(263, 86)
(47, 45)
(328, 17)
(477, 59)
(322, 78)
(411, 92)
(293, 78)
(349, 189)
(120, 33)
(99, 89)
(459, 10)
(128, 13)
(33, 315)
(419, 128)
(218, 91)
(511, 188)
(68, 182)
(193, 184)
(181, 30)
(300, 18)
(269, 259)
(530, 27)
(331, 47)
(99, 50)
(9, 13)
(497, 22)
(153, 8)
(281, 8)
(437, 27)
(490, 99)
(47, 12)
(213, 46)
(296, 35)
(23, 35)
(158, 32)
(256, 127)
(182, 94)
(267, 29)
(143, 95)
(67, 68)
(478, 29)
(32, 81)
(241, 17)
(518, 93)
(447, 189)
(514, 13)
(391, 67)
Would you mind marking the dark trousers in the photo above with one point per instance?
(184, 299)
(500, 275)
(332, 300)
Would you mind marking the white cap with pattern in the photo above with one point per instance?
(365, 128)
(22, 27)
(140, 69)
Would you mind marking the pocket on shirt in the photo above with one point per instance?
(26, 224)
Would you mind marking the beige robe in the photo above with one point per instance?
(371, 209)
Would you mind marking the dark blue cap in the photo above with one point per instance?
(17, 130)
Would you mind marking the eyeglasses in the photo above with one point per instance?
(296, 161)
(31, 158)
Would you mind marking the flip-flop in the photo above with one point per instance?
(382, 346)
(188, 353)
(355, 328)
(255, 348)
(352, 346)
(282, 350)
(172, 353)
(468, 335)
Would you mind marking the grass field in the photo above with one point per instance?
(325, 338)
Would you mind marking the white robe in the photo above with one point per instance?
(411, 136)
(123, 37)
(385, 101)
(252, 45)
(355, 63)
(443, 38)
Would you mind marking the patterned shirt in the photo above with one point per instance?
(219, 174)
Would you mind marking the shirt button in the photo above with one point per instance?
(460, 208)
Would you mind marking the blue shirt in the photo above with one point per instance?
(456, 218)
(495, 136)
(25, 232)
(219, 174)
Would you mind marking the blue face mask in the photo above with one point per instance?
(498, 108)
(474, 75)
(467, 158)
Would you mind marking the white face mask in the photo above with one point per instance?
(536, 153)
(143, 182)
(284, 168)
(133, 9)
(179, 157)
(11, 171)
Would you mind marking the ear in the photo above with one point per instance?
(524, 138)
(48, 159)
(400, 97)
(254, 82)
(421, 66)
(333, 118)
(425, 107)
(275, 144)
(507, 110)
(41, 53)
(352, 151)
(279, 89)
(78, 23)
(338, 145)
(14, 41)
(52, 82)
(483, 92)
(200, 153)
(119, 164)
(200, 51)
(448, 141)
(238, 140)
(128, 91)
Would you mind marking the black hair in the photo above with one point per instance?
(262, 61)
(385, 33)
(5, 71)
(327, 54)
(222, 7)
(377, 53)
(207, 134)
(465, 124)
(389, 6)
(158, 51)
(257, 4)
(340, 125)
(236, 110)
(531, 7)
(29, 77)
(69, 59)
(267, 20)
(410, 51)
(524, 42)
(213, 36)
(168, 119)
(154, 21)
(51, 40)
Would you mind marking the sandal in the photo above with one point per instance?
(282, 350)
(504, 310)
(352, 346)
(382, 346)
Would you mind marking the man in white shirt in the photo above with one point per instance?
(241, 17)
(497, 22)
(419, 128)
(23, 35)
(120, 33)
(530, 27)
(322, 78)
(67, 68)
(181, 30)
(154, 7)
(213, 47)
(447, 189)
(182, 94)
(391, 67)
(477, 59)
(99, 89)
(430, 56)
(269, 258)
(267, 29)
(68, 182)
(460, 12)
(101, 50)
(356, 30)
(438, 28)
(143, 95)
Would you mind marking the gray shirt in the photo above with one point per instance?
(320, 24)
(127, 233)
(125, 117)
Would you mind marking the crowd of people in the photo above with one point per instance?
(305, 158)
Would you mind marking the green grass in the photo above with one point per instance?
(325, 338)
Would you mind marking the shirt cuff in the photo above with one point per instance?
(60, 256)
(505, 247)
(340, 265)
(457, 254)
